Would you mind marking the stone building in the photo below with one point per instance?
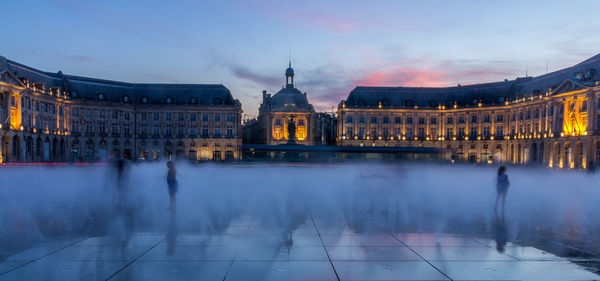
(271, 125)
(53, 117)
(552, 120)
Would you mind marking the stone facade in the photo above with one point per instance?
(270, 127)
(552, 120)
(52, 117)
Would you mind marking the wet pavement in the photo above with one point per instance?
(314, 249)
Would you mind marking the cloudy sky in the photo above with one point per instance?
(335, 45)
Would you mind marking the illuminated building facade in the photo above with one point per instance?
(271, 125)
(52, 117)
(553, 119)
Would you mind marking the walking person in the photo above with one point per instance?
(172, 183)
(502, 184)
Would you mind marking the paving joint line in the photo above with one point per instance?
(135, 259)
(411, 249)
(39, 258)
(323, 243)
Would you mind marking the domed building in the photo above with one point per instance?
(277, 111)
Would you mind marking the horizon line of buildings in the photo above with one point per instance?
(552, 119)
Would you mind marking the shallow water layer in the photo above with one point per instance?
(329, 219)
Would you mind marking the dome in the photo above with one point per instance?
(289, 71)
(289, 96)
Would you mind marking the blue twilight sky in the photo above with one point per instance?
(335, 45)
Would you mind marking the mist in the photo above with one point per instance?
(38, 203)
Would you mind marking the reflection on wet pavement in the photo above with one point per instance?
(251, 250)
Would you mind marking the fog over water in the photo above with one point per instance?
(40, 202)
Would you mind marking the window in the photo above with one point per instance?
(181, 117)
(155, 116)
(461, 120)
(361, 132)
(216, 155)
(583, 107)
(193, 130)
(144, 116)
(126, 115)
(499, 131)
(486, 119)
(229, 118)
(205, 130)
(421, 120)
(277, 122)
(499, 118)
(168, 130)
(361, 119)
(301, 122)
(156, 130)
(169, 100)
(217, 130)
(473, 118)
(373, 119)
(193, 117)
(409, 120)
(349, 132)
(521, 116)
(528, 114)
(349, 119)
(449, 133)
(433, 120)
(144, 100)
(75, 127)
(374, 132)
(461, 132)
(229, 131)
(398, 120)
(168, 116)
(115, 128)
(126, 129)
(421, 132)
(217, 117)
(536, 114)
(115, 114)
(473, 133)
(204, 117)
(386, 133)
(486, 132)
(449, 120)
(409, 132)
(180, 130)
(386, 120)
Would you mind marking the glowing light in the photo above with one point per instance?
(562, 134)
(466, 138)
(492, 137)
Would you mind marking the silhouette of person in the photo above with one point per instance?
(501, 233)
(172, 183)
(591, 167)
(502, 184)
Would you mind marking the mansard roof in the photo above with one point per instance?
(582, 75)
(157, 93)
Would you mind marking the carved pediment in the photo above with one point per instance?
(8, 78)
(568, 86)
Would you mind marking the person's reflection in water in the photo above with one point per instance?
(501, 233)
(172, 234)
(124, 208)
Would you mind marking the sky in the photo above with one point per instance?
(335, 45)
